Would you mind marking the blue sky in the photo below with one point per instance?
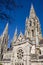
(15, 12)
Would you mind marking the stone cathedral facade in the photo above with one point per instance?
(25, 49)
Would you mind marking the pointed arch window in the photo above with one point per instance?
(32, 32)
(30, 23)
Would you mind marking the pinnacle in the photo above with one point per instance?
(32, 11)
(15, 31)
(32, 8)
(15, 35)
(6, 26)
(6, 29)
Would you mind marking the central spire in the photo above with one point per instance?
(32, 12)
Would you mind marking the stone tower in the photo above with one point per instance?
(32, 29)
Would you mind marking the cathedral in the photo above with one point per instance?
(24, 49)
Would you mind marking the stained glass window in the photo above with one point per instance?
(20, 54)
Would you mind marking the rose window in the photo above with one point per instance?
(20, 54)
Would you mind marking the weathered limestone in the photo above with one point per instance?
(25, 49)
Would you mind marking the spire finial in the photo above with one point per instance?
(32, 6)
(15, 31)
(32, 11)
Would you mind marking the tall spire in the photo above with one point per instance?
(5, 39)
(6, 29)
(15, 35)
(32, 11)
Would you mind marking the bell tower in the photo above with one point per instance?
(32, 29)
